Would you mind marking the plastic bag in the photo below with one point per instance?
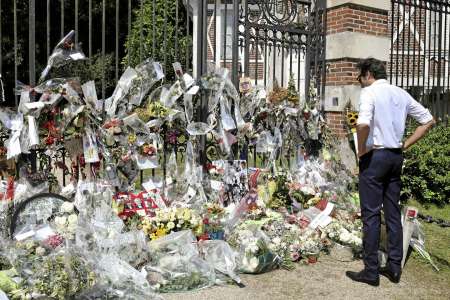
(120, 276)
(219, 255)
(176, 264)
(255, 255)
(64, 52)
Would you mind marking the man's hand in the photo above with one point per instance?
(418, 134)
(362, 132)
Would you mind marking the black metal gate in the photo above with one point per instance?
(420, 47)
(267, 41)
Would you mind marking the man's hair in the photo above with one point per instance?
(376, 67)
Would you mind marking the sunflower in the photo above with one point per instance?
(352, 118)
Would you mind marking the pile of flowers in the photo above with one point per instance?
(345, 234)
(66, 221)
(169, 220)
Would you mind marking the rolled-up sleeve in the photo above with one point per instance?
(418, 112)
(366, 107)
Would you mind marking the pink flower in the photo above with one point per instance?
(54, 241)
(295, 256)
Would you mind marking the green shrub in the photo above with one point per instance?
(426, 173)
(171, 39)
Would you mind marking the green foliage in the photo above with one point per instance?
(426, 173)
(280, 197)
(170, 40)
(90, 69)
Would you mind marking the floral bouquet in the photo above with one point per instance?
(176, 264)
(59, 275)
(256, 256)
(213, 221)
(345, 234)
(171, 219)
(67, 221)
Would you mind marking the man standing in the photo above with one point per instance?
(381, 124)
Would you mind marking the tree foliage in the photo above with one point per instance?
(158, 34)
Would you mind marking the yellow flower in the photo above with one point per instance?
(132, 138)
(352, 118)
(187, 215)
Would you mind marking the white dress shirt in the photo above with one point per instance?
(384, 107)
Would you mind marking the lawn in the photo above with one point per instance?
(437, 243)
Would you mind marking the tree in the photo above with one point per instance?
(170, 41)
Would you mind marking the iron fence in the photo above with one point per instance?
(420, 52)
(265, 41)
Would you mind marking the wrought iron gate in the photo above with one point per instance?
(420, 51)
(266, 41)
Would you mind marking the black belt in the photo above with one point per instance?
(394, 150)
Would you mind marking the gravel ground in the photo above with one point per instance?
(324, 280)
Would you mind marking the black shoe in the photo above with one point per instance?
(362, 277)
(393, 277)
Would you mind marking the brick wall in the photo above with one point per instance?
(357, 18)
(342, 72)
(350, 17)
(336, 122)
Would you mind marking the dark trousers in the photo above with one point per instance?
(379, 186)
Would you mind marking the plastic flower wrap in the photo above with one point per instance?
(65, 51)
(219, 255)
(59, 275)
(255, 254)
(176, 264)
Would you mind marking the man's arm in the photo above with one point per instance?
(365, 117)
(421, 115)
(362, 132)
(418, 134)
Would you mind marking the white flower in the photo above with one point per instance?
(60, 221)
(252, 248)
(254, 262)
(67, 207)
(277, 240)
(40, 251)
(250, 264)
(170, 225)
(72, 219)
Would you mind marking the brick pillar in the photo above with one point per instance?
(355, 29)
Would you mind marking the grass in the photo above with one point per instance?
(437, 243)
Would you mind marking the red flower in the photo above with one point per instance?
(148, 150)
(204, 237)
(82, 161)
(322, 204)
(206, 221)
(49, 140)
